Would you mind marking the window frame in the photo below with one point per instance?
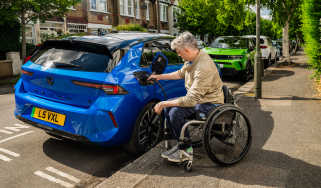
(176, 11)
(163, 10)
(123, 8)
(147, 10)
(98, 6)
(137, 4)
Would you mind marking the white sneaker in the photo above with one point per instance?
(166, 154)
(181, 155)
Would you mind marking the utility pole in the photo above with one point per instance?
(257, 65)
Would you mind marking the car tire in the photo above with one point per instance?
(150, 126)
(275, 59)
(267, 62)
(247, 74)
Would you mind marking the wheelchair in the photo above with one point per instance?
(225, 133)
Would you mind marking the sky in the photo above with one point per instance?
(265, 13)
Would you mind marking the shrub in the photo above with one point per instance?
(312, 34)
(9, 37)
(131, 27)
(45, 36)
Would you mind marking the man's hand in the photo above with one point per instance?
(154, 76)
(158, 108)
(168, 76)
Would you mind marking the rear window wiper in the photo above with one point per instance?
(60, 64)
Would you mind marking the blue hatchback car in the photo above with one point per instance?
(94, 88)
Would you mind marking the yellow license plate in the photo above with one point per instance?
(48, 116)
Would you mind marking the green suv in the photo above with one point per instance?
(234, 55)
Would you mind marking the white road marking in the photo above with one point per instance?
(4, 158)
(17, 127)
(6, 132)
(63, 174)
(9, 152)
(53, 179)
(13, 137)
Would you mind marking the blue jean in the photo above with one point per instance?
(176, 117)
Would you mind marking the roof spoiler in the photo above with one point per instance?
(77, 45)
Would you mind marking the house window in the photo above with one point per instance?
(163, 12)
(98, 5)
(176, 12)
(130, 7)
(147, 10)
(126, 7)
(137, 9)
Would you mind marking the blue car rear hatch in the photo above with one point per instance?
(68, 72)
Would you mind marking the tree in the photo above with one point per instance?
(214, 17)
(295, 30)
(31, 10)
(283, 12)
(7, 15)
(197, 16)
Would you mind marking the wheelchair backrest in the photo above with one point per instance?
(228, 97)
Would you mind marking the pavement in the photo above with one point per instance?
(286, 147)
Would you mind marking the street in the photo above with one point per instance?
(31, 158)
(43, 161)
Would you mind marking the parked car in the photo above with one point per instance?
(201, 44)
(268, 51)
(278, 49)
(233, 55)
(94, 88)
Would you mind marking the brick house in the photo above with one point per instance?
(94, 16)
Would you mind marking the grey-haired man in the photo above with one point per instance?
(203, 85)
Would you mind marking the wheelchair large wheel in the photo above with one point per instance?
(227, 135)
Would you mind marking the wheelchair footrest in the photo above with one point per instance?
(183, 144)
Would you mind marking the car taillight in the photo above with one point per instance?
(26, 72)
(26, 59)
(109, 89)
(263, 47)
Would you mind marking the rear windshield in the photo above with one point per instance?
(71, 59)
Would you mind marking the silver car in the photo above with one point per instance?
(269, 52)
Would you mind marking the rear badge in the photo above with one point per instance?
(50, 80)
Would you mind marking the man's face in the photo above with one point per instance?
(185, 53)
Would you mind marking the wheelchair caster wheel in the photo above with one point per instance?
(188, 166)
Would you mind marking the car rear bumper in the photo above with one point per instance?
(92, 124)
(63, 134)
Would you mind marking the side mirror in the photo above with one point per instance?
(159, 63)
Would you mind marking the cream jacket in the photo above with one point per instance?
(202, 82)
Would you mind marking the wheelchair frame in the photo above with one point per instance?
(206, 124)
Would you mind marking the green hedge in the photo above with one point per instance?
(45, 37)
(131, 27)
(312, 33)
(9, 37)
